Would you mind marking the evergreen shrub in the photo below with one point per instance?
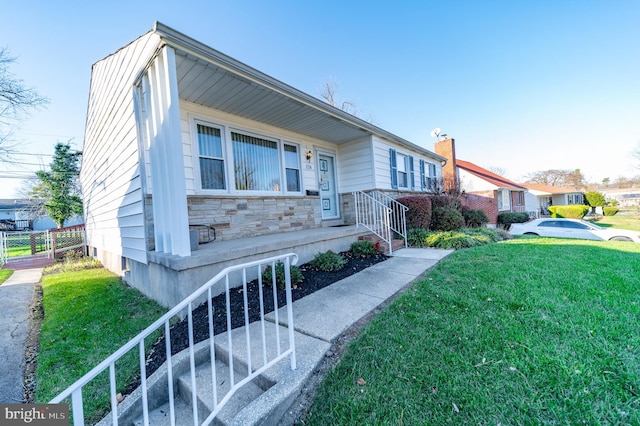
(474, 218)
(419, 213)
(572, 211)
(446, 219)
(363, 248)
(506, 219)
(610, 211)
(296, 275)
(328, 261)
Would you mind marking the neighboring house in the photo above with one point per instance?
(539, 197)
(179, 134)
(16, 214)
(482, 189)
(626, 197)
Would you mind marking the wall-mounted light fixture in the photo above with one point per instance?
(309, 155)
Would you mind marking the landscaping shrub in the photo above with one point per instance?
(463, 238)
(328, 261)
(474, 218)
(610, 211)
(455, 240)
(594, 199)
(494, 234)
(364, 248)
(572, 211)
(446, 219)
(419, 214)
(445, 201)
(296, 275)
(506, 219)
(417, 237)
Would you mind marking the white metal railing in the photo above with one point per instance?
(382, 215)
(75, 390)
(3, 248)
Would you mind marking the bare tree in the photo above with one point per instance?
(328, 93)
(554, 177)
(500, 171)
(636, 153)
(16, 101)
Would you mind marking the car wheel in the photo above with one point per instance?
(531, 233)
(621, 239)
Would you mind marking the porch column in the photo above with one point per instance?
(168, 187)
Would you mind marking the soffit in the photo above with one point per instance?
(205, 83)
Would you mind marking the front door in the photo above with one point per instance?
(328, 189)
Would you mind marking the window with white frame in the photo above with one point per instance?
(292, 167)
(431, 178)
(211, 157)
(246, 161)
(403, 180)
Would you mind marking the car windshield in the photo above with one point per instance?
(592, 224)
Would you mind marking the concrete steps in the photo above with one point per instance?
(396, 244)
(259, 402)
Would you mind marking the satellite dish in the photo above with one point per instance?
(435, 132)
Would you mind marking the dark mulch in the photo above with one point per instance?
(313, 280)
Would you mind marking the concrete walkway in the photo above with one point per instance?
(16, 296)
(322, 317)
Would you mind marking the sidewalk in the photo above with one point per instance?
(321, 318)
(16, 296)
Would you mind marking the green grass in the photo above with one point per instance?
(18, 251)
(524, 332)
(88, 314)
(624, 219)
(4, 275)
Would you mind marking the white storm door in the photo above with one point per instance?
(328, 187)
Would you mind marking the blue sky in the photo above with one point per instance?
(524, 86)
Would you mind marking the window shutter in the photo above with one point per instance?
(421, 175)
(412, 179)
(394, 168)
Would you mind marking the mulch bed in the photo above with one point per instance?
(314, 280)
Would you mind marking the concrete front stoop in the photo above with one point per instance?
(319, 320)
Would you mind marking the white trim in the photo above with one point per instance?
(227, 152)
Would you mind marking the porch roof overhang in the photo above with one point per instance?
(212, 79)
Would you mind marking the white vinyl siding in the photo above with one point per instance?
(111, 175)
(356, 166)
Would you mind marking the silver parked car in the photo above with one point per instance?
(573, 228)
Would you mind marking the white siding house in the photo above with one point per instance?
(179, 134)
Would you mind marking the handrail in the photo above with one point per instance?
(382, 215)
(75, 390)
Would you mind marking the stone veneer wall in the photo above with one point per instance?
(238, 217)
(246, 216)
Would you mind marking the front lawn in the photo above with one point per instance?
(527, 331)
(4, 275)
(88, 315)
(625, 219)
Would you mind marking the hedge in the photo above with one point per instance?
(574, 211)
(446, 219)
(419, 213)
(506, 219)
(610, 211)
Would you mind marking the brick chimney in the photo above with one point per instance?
(447, 149)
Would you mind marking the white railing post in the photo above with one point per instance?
(3, 248)
(75, 390)
(386, 216)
